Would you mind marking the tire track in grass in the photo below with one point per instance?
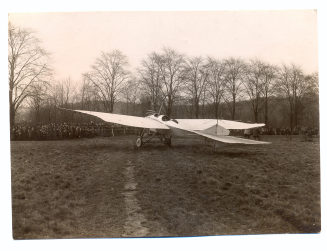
(133, 226)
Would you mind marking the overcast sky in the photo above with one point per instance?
(76, 39)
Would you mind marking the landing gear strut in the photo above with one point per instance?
(147, 135)
(167, 141)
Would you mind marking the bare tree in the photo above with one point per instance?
(109, 76)
(234, 73)
(27, 66)
(254, 84)
(171, 71)
(83, 91)
(216, 82)
(89, 96)
(292, 84)
(195, 77)
(63, 92)
(310, 116)
(85, 94)
(38, 95)
(313, 82)
(131, 93)
(151, 80)
(269, 84)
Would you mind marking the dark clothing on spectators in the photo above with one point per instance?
(56, 131)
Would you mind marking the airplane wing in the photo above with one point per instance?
(202, 127)
(231, 139)
(203, 124)
(125, 120)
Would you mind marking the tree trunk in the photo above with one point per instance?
(295, 113)
(169, 106)
(291, 118)
(169, 110)
(12, 120)
(127, 107)
(111, 108)
(233, 107)
(37, 114)
(256, 116)
(217, 110)
(266, 109)
(196, 108)
(204, 111)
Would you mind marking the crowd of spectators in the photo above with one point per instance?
(57, 131)
(287, 131)
(276, 131)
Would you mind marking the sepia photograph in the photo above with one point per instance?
(164, 123)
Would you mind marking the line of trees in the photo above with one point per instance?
(167, 80)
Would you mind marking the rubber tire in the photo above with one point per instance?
(138, 142)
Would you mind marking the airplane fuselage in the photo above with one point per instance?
(171, 123)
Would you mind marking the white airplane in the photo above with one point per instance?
(164, 128)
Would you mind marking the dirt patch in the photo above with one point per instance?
(133, 224)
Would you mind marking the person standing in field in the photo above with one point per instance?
(247, 133)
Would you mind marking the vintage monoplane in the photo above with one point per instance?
(163, 127)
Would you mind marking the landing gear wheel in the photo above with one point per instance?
(138, 142)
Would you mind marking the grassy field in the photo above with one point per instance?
(79, 188)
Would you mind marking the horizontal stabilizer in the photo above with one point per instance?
(231, 139)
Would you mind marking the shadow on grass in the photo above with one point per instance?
(194, 147)
(106, 147)
(201, 150)
(238, 154)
